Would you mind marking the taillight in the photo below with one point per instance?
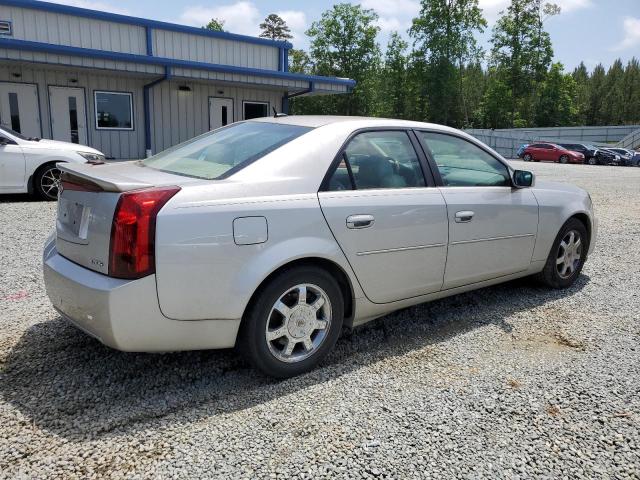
(133, 233)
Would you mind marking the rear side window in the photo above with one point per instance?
(380, 159)
(463, 164)
(222, 152)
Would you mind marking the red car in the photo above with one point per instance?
(549, 152)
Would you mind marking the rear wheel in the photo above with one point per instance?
(47, 182)
(293, 323)
(567, 255)
(527, 157)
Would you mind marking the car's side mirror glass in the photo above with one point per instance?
(523, 179)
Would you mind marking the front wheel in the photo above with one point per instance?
(47, 182)
(293, 323)
(567, 256)
(593, 161)
(527, 157)
(564, 159)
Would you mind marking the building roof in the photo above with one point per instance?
(69, 54)
(142, 22)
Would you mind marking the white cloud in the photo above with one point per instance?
(492, 8)
(571, 5)
(101, 6)
(631, 27)
(241, 17)
(297, 22)
(396, 15)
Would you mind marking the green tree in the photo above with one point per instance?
(275, 28)
(444, 36)
(556, 103)
(496, 102)
(522, 49)
(581, 78)
(631, 92)
(394, 78)
(343, 44)
(215, 25)
(299, 61)
(597, 89)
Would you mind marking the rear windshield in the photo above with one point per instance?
(223, 152)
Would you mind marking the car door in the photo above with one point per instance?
(12, 165)
(492, 226)
(391, 225)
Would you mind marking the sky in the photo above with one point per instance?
(593, 31)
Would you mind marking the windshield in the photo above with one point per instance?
(223, 152)
(14, 133)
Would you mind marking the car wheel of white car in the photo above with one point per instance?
(47, 182)
(567, 255)
(294, 322)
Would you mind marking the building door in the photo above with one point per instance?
(220, 112)
(19, 108)
(68, 116)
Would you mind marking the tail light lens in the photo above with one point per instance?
(133, 233)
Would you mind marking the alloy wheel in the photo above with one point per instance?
(569, 254)
(298, 323)
(50, 182)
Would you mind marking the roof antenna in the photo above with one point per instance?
(276, 114)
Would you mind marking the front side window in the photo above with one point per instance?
(114, 110)
(255, 110)
(463, 164)
(380, 159)
(223, 152)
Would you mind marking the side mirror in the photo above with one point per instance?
(4, 141)
(523, 179)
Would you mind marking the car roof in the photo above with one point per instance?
(315, 121)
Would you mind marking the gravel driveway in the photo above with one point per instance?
(509, 381)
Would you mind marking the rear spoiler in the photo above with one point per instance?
(98, 178)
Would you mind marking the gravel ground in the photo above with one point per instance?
(512, 381)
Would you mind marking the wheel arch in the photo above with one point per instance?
(586, 221)
(342, 278)
(31, 184)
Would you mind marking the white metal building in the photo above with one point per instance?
(130, 86)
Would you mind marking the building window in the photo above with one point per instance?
(6, 27)
(255, 109)
(114, 110)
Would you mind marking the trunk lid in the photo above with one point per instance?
(87, 205)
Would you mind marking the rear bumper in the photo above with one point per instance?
(124, 314)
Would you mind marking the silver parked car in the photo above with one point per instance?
(273, 234)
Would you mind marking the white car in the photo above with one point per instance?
(28, 165)
(273, 234)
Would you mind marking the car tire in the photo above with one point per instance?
(593, 161)
(564, 159)
(46, 181)
(567, 256)
(527, 157)
(279, 317)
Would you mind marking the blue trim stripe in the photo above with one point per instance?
(147, 109)
(149, 34)
(14, 44)
(141, 22)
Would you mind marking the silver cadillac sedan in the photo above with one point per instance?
(273, 234)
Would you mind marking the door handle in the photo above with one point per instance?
(360, 221)
(464, 217)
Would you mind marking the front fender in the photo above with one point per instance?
(558, 203)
